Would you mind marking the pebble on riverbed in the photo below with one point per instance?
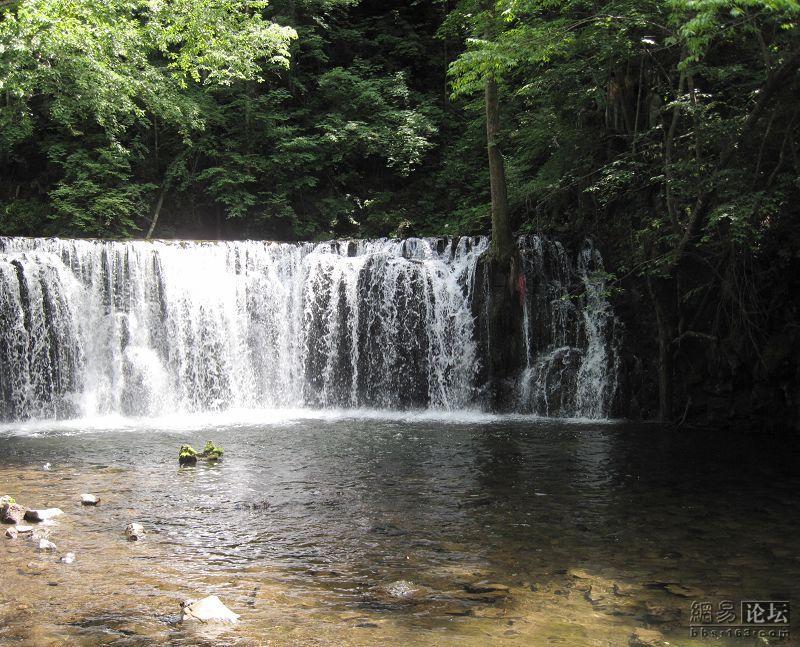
(68, 558)
(89, 499)
(208, 609)
(11, 533)
(135, 531)
(44, 544)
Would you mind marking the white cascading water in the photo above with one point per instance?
(572, 334)
(144, 328)
(140, 328)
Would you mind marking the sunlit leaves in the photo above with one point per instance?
(216, 41)
(113, 61)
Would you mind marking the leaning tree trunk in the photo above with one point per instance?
(157, 211)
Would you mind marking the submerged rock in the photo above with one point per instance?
(45, 544)
(208, 609)
(684, 591)
(42, 515)
(12, 512)
(135, 531)
(646, 638)
(68, 558)
(486, 587)
(89, 499)
(23, 529)
(11, 533)
(402, 590)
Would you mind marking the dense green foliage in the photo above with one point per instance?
(666, 129)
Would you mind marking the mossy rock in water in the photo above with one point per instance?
(187, 455)
(212, 452)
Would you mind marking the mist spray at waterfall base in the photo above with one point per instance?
(95, 328)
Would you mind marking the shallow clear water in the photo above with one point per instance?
(339, 528)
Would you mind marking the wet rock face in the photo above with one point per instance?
(549, 340)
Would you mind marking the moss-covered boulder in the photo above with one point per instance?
(187, 455)
(212, 452)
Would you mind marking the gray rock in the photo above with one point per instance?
(89, 499)
(12, 513)
(45, 544)
(11, 533)
(135, 531)
(208, 609)
(42, 515)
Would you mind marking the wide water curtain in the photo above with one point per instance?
(148, 328)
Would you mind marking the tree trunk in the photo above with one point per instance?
(506, 284)
(157, 210)
(503, 247)
(662, 295)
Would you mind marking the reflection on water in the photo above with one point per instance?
(334, 529)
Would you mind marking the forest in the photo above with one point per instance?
(664, 130)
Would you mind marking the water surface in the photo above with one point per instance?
(363, 528)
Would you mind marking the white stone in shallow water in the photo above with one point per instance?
(135, 531)
(43, 515)
(23, 529)
(401, 589)
(89, 499)
(208, 609)
(68, 558)
(11, 533)
(44, 544)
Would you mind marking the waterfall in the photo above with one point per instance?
(140, 328)
(571, 332)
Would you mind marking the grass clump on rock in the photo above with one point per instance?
(212, 452)
(187, 455)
